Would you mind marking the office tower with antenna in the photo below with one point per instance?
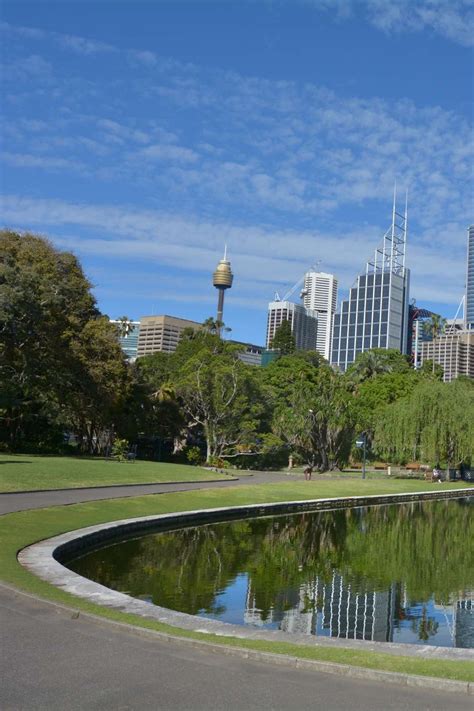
(222, 279)
(320, 296)
(375, 315)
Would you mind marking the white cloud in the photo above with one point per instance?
(263, 258)
(24, 160)
(234, 158)
(27, 68)
(81, 45)
(173, 153)
(453, 19)
(74, 43)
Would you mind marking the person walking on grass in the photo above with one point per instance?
(307, 472)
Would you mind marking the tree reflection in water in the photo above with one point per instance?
(366, 573)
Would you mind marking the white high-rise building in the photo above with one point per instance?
(304, 323)
(320, 296)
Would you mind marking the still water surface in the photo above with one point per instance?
(401, 573)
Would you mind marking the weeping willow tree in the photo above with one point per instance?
(435, 423)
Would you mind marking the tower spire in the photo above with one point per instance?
(394, 208)
(222, 279)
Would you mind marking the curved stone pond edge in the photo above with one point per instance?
(46, 559)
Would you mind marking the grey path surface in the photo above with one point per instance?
(52, 659)
(42, 499)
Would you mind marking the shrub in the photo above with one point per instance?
(193, 455)
(120, 449)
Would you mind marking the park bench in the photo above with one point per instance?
(132, 454)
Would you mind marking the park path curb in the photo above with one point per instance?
(45, 557)
(396, 678)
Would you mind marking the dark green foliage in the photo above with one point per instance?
(375, 362)
(61, 367)
(435, 424)
(62, 372)
(283, 340)
(312, 410)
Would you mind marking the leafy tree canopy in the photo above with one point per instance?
(60, 361)
(376, 361)
(283, 340)
(435, 424)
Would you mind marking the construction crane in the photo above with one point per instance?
(313, 268)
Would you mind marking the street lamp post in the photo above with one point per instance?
(361, 443)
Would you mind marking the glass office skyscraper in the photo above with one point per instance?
(470, 279)
(376, 313)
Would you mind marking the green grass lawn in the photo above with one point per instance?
(24, 472)
(21, 529)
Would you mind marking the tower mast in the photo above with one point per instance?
(222, 279)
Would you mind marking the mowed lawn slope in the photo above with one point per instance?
(20, 529)
(24, 472)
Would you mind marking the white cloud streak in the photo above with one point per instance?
(452, 19)
(261, 154)
(260, 256)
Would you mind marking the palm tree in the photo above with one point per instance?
(215, 326)
(369, 364)
(165, 393)
(125, 326)
(434, 328)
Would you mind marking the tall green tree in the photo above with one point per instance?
(315, 418)
(221, 395)
(374, 394)
(434, 424)
(433, 328)
(283, 340)
(125, 326)
(60, 361)
(376, 361)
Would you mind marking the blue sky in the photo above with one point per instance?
(145, 135)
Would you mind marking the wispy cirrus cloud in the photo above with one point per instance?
(452, 19)
(25, 160)
(285, 172)
(74, 43)
(260, 256)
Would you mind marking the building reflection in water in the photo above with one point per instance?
(334, 609)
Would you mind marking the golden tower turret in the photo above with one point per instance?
(222, 279)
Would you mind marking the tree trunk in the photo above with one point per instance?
(207, 435)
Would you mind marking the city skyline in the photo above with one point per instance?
(277, 128)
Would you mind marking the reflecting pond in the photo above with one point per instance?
(401, 573)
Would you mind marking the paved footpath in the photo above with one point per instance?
(42, 499)
(55, 659)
